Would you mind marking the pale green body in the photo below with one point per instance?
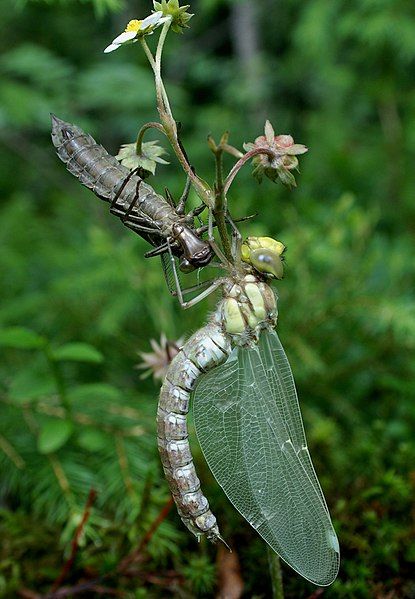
(249, 426)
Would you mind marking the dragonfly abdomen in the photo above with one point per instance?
(206, 349)
(106, 177)
(135, 202)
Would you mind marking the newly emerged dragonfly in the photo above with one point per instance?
(248, 422)
(140, 208)
(246, 410)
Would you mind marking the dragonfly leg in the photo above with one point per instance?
(169, 197)
(215, 285)
(236, 241)
(205, 228)
(196, 211)
(122, 187)
(197, 287)
(212, 241)
(133, 203)
(212, 287)
(139, 228)
(161, 249)
(181, 204)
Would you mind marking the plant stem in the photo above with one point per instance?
(237, 167)
(148, 53)
(152, 62)
(275, 572)
(162, 98)
(169, 124)
(140, 136)
(219, 210)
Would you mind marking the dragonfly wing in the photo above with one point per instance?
(168, 272)
(249, 426)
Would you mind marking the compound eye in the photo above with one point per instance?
(267, 261)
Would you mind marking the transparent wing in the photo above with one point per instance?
(249, 426)
(168, 272)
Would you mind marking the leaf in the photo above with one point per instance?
(93, 440)
(21, 338)
(77, 352)
(94, 392)
(53, 435)
(31, 383)
(285, 177)
(147, 161)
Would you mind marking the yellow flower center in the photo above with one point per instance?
(133, 25)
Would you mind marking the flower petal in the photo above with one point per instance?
(111, 48)
(126, 36)
(152, 19)
(269, 132)
(296, 149)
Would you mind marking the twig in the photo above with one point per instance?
(11, 453)
(91, 585)
(137, 553)
(61, 478)
(124, 469)
(94, 584)
(28, 594)
(75, 541)
(230, 582)
(317, 593)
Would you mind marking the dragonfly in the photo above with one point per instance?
(164, 225)
(234, 371)
(248, 422)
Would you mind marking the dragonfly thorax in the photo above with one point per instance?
(249, 305)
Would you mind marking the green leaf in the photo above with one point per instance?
(21, 338)
(93, 440)
(285, 177)
(77, 352)
(53, 435)
(31, 383)
(147, 161)
(94, 392)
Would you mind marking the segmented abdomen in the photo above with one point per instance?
(207, 348)
(104, 175)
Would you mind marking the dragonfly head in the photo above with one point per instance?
(185, 265)
(265, 255)
(196, 252)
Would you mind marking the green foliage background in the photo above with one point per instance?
(339, 77)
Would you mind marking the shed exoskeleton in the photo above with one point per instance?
(165, 226)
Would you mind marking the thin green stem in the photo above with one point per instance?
(153, 66)
(167, 119)
(245, 158)
(148, 53)
(140, 136)
(162, 98)
(275, 571)
(219, 211)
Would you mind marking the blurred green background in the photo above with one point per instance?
(339, 77)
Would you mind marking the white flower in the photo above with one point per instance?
(136, 28)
